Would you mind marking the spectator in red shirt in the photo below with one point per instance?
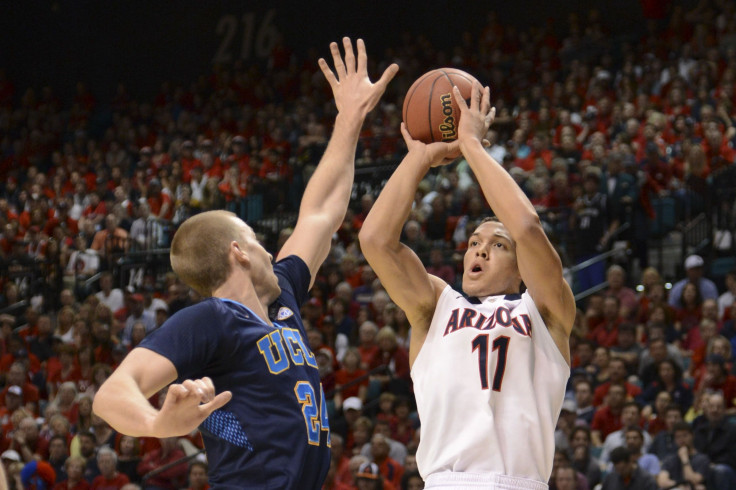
(607, 418)
(616, 277)
(348, 374)
(75, 475)
(109, 478)
(617, 376)
(394, 359)
(717, 379)
(438, 267)
(28, 442)
(391, 469)
(367, 346)
(605, 334)
(17, 380)
(172, 478)
(691, 313)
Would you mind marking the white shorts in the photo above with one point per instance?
(491, 481)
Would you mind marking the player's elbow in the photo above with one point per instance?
(529, 229)
(100, 401)
(371, 239)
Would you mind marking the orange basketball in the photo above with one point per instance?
(430, 111)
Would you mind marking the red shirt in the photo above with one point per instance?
(30, 393)
(114, 483)
(82, 485)
(396, 361)
(392, 471)
(173, 478)
(604, 337)
(343, 377)
(605, 421)
(600, 393)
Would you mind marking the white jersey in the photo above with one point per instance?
(489, 383)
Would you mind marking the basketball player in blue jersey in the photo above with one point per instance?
(489, 366)
(242, 371)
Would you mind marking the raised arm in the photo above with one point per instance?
(397, 266)
(327, 195)
(539, 265)
(122, 400)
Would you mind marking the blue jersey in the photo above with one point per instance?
(274, 433)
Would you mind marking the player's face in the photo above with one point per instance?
(489, 265)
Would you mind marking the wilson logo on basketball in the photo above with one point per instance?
(447, 128)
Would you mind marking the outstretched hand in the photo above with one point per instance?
(351, 87)
(436, 154)
(186, 406)
(476, 118)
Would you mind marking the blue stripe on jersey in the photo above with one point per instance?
(225, 425)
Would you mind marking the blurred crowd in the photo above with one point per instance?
(600, 128)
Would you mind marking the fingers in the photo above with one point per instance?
(202, 389)
(485, 103)
(177, 392)
(349, 55)
(388, 74)
(475, 96)
(218, 402)
(490, 117)
(329, 76)
(405, 133)
(453, 149)
(362, 57)
(337, 60)
(459, 99)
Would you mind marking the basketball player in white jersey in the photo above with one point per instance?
(489, 366)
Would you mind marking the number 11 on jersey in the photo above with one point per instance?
(500, 344)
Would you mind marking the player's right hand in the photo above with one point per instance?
(186, 406)
(435, 154)
(351, 86)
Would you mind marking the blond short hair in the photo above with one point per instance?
(200, 250)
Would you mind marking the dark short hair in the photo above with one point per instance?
(673, 407)
(632, 404)
(620, 454)
(202, 464)
(580, 428)
(680, 426)
(633, 428)
(86, 433)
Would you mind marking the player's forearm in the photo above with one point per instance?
(508, 201)
(329, 188)
(121, 404)
(382, 228)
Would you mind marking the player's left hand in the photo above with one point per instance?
(351, 86)
(187, 405)
(434, 154)
(476, 118)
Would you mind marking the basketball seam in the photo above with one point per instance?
(407, 103)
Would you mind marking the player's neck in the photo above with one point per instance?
(244, 293)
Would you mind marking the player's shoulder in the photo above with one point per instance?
(291, 263)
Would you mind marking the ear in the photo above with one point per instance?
(239, 253)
